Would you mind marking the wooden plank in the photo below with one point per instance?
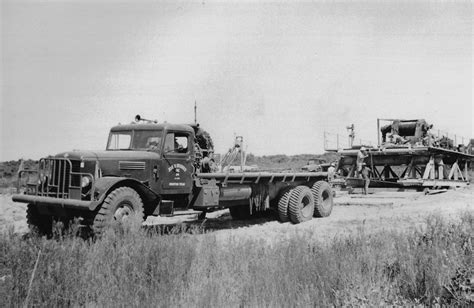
(449, 183)
(435, 191)
(411, 182)
(378, 197)
(186, 212)
(350, 203)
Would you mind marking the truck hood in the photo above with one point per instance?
(108, 155)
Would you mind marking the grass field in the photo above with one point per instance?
(191, 268)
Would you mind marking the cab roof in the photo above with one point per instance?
(152, 126)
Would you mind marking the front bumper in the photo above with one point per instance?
(65, 203)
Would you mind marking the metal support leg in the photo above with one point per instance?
(429, 171)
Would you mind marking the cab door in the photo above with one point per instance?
(177, 163)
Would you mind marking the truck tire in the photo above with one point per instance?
(323, 199)
(283, 204)
(301, 204)
(240, 212)
(42, 224)
(118, 206)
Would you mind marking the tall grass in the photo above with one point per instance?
(127, 268)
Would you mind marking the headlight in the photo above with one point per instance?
(30, 190)
(85, 181)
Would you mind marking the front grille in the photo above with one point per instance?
(63, 178)
(60, 177)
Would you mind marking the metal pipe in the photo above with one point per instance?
(378, 132)
(64, 179)
(53, 169)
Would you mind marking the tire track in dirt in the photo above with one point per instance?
(398, 214)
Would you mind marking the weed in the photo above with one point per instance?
(129, 267)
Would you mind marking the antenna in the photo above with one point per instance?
(195, 112)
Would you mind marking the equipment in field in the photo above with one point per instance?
(232, 154)
(416, 159)
(351, 131)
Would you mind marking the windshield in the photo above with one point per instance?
(136, 140)
(146, 140)
(119, 141)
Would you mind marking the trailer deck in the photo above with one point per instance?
(408, 167)
(263, 177)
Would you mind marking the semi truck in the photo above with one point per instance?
(150, 168)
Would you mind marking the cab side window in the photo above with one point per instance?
(176, 143)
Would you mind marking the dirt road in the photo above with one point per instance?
(384, 210)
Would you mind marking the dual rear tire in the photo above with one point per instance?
(283, 203)
(323, 199)
(299, 204)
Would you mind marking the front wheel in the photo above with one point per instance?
(119, 206)
(42, 224)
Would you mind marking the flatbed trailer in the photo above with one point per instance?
(264, 177)
(296, 196)
(410, 167)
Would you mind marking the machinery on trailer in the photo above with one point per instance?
(151, 168)
(409, 155)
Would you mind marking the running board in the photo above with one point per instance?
(186, 212)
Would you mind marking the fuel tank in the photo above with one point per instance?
(233, 193)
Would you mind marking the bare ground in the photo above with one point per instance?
(396, 211)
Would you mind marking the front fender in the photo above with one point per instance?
(105, 185)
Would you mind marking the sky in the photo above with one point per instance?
(279, 74)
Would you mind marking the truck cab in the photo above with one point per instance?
(169, 170)
(144, 168)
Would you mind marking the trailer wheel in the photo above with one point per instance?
(283, 204)
(119, 205)
(301, 204)
(239, 212)
(42, 224)
(323, 199)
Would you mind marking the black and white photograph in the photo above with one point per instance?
(158, 153)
